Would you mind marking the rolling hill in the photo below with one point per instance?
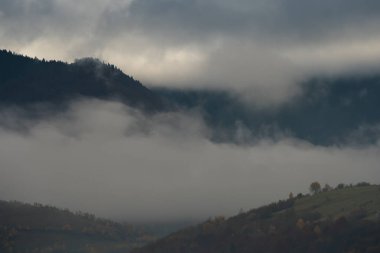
(345, 219)
(39, 228)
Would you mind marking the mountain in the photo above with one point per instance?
(328, 111)
(345, 219)
(24, 81)
(337, 110)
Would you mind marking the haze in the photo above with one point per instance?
(107, 159)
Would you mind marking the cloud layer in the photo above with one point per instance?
(107, 159)
(264, 46)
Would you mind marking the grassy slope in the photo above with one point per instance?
(274, 228)
(341, 202)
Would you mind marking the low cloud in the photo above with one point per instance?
(111, 160)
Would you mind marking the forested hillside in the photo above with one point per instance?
(328, 111)
(24, 81)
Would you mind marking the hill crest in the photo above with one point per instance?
(26, 80)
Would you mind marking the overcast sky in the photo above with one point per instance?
(259, 45)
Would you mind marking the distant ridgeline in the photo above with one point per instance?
(328, 112)
(341, 220)
(38, 228)
(25, 81)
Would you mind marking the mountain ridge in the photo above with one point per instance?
(25, 81)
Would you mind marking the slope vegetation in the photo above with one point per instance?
(339, 220)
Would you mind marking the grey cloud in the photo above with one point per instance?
(269, 78)
(18, 9)
(69, 26)
(96, 158)
(31, 19)
(325, 16)
(180, 21)
(193, 18)
(24, 20)
(276, 19)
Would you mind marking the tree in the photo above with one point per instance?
(300, 224)
(315, 187)
(362, 184)
(327, 188)
(317, 230)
